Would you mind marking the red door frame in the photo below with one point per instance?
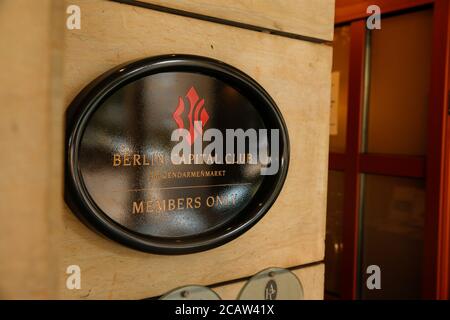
(435, 167)
(436, 224)
(353, 142)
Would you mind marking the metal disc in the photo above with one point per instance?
(272, 284)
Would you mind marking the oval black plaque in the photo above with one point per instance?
(174, 154)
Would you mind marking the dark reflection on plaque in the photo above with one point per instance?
(122, 178)
(136, 122)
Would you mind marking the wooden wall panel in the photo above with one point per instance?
(297, 75)
(301, 17)
(311, 277)
(31, 145)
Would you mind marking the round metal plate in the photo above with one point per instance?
(272, 284)
(120, 175)
(191, 293)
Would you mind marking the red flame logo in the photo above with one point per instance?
(197, 112)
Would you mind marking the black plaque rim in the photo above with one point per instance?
(91, 97)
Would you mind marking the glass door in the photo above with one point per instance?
(381, 190)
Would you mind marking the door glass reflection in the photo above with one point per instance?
(399, 84)
(393, 211)
(341, 63)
